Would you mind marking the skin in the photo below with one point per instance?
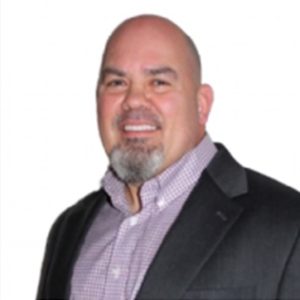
(149, 65)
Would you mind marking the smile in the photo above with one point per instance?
(139, 128)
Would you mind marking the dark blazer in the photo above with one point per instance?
(237, 237)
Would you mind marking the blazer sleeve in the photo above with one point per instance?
(290, 283)
(48, 256)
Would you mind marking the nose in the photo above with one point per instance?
(134, 98)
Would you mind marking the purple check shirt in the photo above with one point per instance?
(119, 246)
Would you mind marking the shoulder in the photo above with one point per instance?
(235, 180)
(79, 212)
(267, 187)
(74, 220)
(261, 182)
(272, 198)
(267, 201)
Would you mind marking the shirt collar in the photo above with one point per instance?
(170, 184)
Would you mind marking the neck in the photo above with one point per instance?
(133, 197)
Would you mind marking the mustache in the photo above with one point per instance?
(138, 114)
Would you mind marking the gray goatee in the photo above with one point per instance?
(135, 162)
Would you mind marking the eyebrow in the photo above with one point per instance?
(162, 70)
(148, 71)
(111, 71)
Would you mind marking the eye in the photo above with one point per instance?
(160, 82)
(160, 85)
(115, 83)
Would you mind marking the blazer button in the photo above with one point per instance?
(222, 215)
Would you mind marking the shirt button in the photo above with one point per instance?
(133, 220)
(116, 272)
(161, 202)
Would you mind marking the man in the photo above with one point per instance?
(176, 217)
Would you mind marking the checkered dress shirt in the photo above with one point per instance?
(119, 246)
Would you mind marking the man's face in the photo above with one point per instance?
(148, 100)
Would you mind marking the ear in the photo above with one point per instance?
(205, 100)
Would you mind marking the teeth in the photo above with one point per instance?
(139, 127)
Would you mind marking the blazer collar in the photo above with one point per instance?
(227, 173)
(204, 221)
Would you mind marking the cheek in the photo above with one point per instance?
(106, 111)
(181, 122)
(178, 110)
(106, 114)
(168, 106)
(101, 113)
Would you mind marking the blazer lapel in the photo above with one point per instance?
(204, 221)
(57, 269)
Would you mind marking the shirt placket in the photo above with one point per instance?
(121, 257)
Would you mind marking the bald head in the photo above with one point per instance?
(153, 27)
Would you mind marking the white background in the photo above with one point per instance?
(50, 152)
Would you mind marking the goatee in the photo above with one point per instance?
(135, 162)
